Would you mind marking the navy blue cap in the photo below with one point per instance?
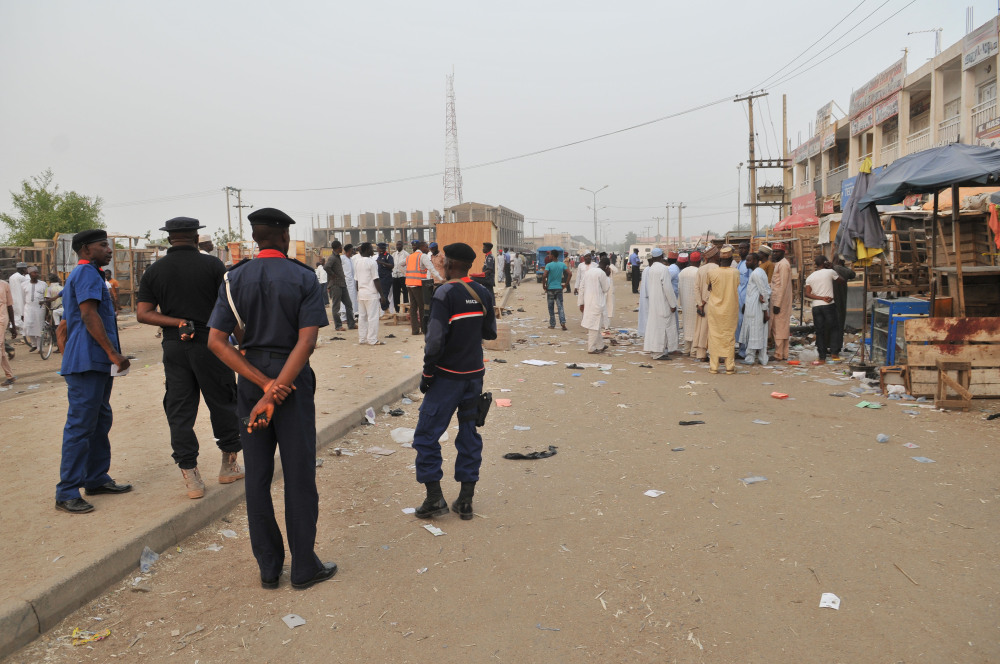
(432, 245)
(88, 237)
(181, 224)
(270, 217)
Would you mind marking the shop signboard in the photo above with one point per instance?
(827, 206)
(863, 122)
(882, 86)
(887, 109)
(980, 44)
(847, 187)
(988, 133)
(823, 116)
(829, 138)
(801, 153)
(813, 146)
(805, 205)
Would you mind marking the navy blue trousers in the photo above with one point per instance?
(86, 450)
(446, 396)
(293, 432)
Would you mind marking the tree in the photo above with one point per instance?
(42, 211)
(223, 238)
(630, 238)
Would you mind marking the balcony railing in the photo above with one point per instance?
(862, 158)
(801, 188)
(983, 113)
(921, 140)
(948, 131)
(834, 177)
(890, 153)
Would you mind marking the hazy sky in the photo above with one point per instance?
(135, 101)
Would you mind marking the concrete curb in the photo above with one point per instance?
(45, 604)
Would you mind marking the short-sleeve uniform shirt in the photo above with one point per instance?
(275, 298)
(83, 353)
(821, 282)
(183, 284)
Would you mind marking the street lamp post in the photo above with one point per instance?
(739, 195)
(594, 208)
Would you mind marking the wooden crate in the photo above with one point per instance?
(972, 340)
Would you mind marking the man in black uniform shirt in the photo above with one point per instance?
(275, 308)
(183, 285)
(462, 315)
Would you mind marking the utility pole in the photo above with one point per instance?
(787, 172)
(229, 219)
(657, 220)
(751, 165)
(595, 192)
(680, 221)
(532, 227)
(666, 231)
(239, 207)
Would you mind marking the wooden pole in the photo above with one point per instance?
(864, 315)
(957, 235)
(932, 274)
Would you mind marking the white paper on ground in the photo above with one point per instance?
(537, 363)
(293, 620)
(829, 601)
(434, 530)
(409, 510)
(653, 493)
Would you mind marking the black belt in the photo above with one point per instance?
(254, 352)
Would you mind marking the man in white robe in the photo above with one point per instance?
(753, 333)
(643, 306)
(33, 294)
(15, 281)
(593, 292)
(687, 284)
(661, 325)
(347, 260)
(581, 270)
(612, 271)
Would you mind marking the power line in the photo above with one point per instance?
(166, 199)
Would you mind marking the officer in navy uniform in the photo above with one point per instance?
(461, 316)
(275, 308)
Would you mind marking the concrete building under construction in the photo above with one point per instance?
(377, 227)
(510, 224)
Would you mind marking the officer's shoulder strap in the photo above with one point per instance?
(302, 265)
(471, 290)
(241, 263)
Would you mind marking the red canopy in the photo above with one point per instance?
(796, 221)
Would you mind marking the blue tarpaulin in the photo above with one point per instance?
(930, 170)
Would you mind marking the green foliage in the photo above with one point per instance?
(630, 238)
(42, 211)
(222, 238)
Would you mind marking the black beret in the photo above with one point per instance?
(181, 224)
(270, 217)
(382, 245)
(487, 246)
(460, 252)
(88, 237)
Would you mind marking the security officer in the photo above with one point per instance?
(462, 315)
(184, 285)
(275, 308)
(91, 356)
(415, 275)
(489, 264)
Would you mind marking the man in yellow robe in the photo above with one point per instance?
(781, 300)
(700, 346)
(723, 312)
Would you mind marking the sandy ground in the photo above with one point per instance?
(567, 559)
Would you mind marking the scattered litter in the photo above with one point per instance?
(694, 412)
(838, 394)
(858, 375)
(381, 451)
(402, 435)
(518, 427)
(547, 629)
(421, 570)
(213, 547)
(531, 455)
(911, 446)
(406, 401)
(409, 510)
(828, 381)
(370, 416)
(433, 530)
(911, 412)
(988, 418)
(923, 459)
(653, 493)
(793, 363)
(503, 403)
(598, 383)
(576, 375)
(560, 392)
(761, 422)
(645, 366)
(779, 395)
(767, 383)
(676, 449)
(622, 405)
(753, 479)
(231, 534)
(397, 412)
(829, 601)
(588, 365)
(81, 636)
(34, 387)
(882, 438)
(57, 558)
(868, 404)
(340, 451)
(293, 620)
(319, 461)
(895, 389)
(147, 559)
(687, 423)
(538, 363)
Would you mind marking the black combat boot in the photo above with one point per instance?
(463, 504)
(434, 503)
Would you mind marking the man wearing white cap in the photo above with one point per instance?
(205, 245)
(661, 323)
(17, 292)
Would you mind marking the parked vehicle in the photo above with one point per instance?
(540, 254)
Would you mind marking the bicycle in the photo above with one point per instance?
(48, 338)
